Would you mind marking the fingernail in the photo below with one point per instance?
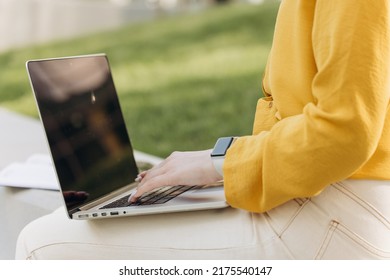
(138, 179)
(131, 195)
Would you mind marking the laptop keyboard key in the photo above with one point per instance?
(159, 196)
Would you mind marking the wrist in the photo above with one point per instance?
(219, 152)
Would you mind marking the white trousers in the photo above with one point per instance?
(348, 220)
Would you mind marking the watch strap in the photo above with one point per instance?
(218, 164)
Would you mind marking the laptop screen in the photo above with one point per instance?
(84, 125)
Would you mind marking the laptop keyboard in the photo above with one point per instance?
(158, 196)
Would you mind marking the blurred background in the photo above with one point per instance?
(187, 71)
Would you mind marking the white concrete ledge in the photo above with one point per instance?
(20, 137)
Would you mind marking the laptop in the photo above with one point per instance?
(90, 146)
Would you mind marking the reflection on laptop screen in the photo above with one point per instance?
(85, 128)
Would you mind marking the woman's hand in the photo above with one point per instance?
(180, 168)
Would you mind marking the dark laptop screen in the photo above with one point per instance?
(84, 125)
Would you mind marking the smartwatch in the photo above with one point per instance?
(219, 152)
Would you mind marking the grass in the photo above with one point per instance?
(183, 81)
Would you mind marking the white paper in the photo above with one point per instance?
(36, 172)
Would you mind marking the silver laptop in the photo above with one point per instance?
(90, 145)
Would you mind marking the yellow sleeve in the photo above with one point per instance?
(336, 133)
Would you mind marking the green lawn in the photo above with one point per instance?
(183, 81)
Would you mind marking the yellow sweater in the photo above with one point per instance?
(326, 113)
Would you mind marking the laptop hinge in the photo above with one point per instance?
(71, 212)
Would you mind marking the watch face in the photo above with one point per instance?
(221, 146)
